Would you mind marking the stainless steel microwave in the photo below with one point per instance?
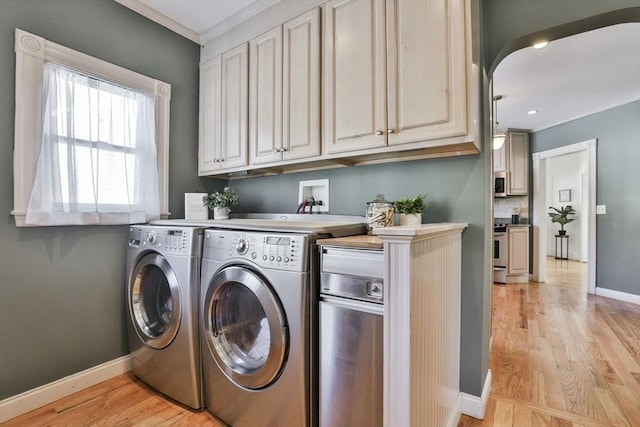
(500, 184)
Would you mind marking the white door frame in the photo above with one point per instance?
(540, 216)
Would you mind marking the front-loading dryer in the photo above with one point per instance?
(162, 289)
(256, 328)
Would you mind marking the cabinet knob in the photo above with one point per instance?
(391, 131)
(216, 160)
(276, 150)
(222, 160)
(283, 149)
(379, 132)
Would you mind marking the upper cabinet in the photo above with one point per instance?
(223, 112)
(395, 72)
(518, 154)
(284, 92)
(513, 158)
(398, 82)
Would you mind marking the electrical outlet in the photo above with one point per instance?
(601, 209)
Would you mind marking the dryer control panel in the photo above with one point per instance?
(268, 250)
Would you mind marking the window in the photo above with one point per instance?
(97, 153)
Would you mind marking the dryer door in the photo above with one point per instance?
(245, 327)
(154, 300)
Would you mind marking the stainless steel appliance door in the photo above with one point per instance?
(154, 301)
(500, 184)
(350, 363)
(500, 249)
(245, 327)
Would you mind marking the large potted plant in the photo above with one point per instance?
(561, 216)
(410, 209)
(220, 202)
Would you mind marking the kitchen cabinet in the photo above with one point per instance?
(513, 158)
(518, 154)
(222, 141)
(518, 252)
(284, 103)
(395, 73)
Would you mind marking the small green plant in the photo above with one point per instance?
(221, 199)
(410, 205)
(561, 216)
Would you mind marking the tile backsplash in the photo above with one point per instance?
(507, 206)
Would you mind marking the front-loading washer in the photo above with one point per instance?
(256, 326)
(162, 290)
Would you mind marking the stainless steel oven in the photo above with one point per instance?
(500, 184)
(500, 247)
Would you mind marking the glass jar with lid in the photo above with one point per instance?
(379, 213)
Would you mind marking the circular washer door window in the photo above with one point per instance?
(245, 326)
(154, 301)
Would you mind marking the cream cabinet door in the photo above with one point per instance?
(234, 125)
(301, 87)
(210, 117)
(265, 102)
(518, 248)
(518, 163)
(500, 159)
(427, 84)
(354, 75)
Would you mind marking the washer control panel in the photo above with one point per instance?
(166, 240)
(268, 250)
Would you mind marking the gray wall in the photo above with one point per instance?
(61, 288)
(618, 186)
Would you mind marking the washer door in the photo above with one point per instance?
(154, 301)
(245, 327)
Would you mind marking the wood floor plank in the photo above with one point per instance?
(578, 354)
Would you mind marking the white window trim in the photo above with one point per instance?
(31, 53)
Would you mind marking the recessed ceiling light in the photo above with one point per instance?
(532, 112)
(540, 45)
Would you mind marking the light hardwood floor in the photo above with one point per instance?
(120, 401)
(561, 357)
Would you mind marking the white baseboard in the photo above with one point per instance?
(621, 296)
(22, 403)
(474, 406)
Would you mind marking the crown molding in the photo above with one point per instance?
(161, 19)
(236, 19)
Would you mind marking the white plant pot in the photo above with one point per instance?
(221, 213)
(410, 219)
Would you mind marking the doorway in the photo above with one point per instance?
(541, 163)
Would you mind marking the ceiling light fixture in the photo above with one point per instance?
(532, 112)
(498, 136)
(540, 45)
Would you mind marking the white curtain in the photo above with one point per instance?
(98, 161)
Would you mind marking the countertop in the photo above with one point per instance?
(419, 230)
(362, 241)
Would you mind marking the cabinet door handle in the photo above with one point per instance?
(379, 132)
(222, 160)
(216, 160)
(283, 149)
(391, 131)
(276, 150)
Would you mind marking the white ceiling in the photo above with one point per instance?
(570, 78)
(198, 20)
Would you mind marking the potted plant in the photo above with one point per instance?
(561, 216)
(410, 209)
(220, 202)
